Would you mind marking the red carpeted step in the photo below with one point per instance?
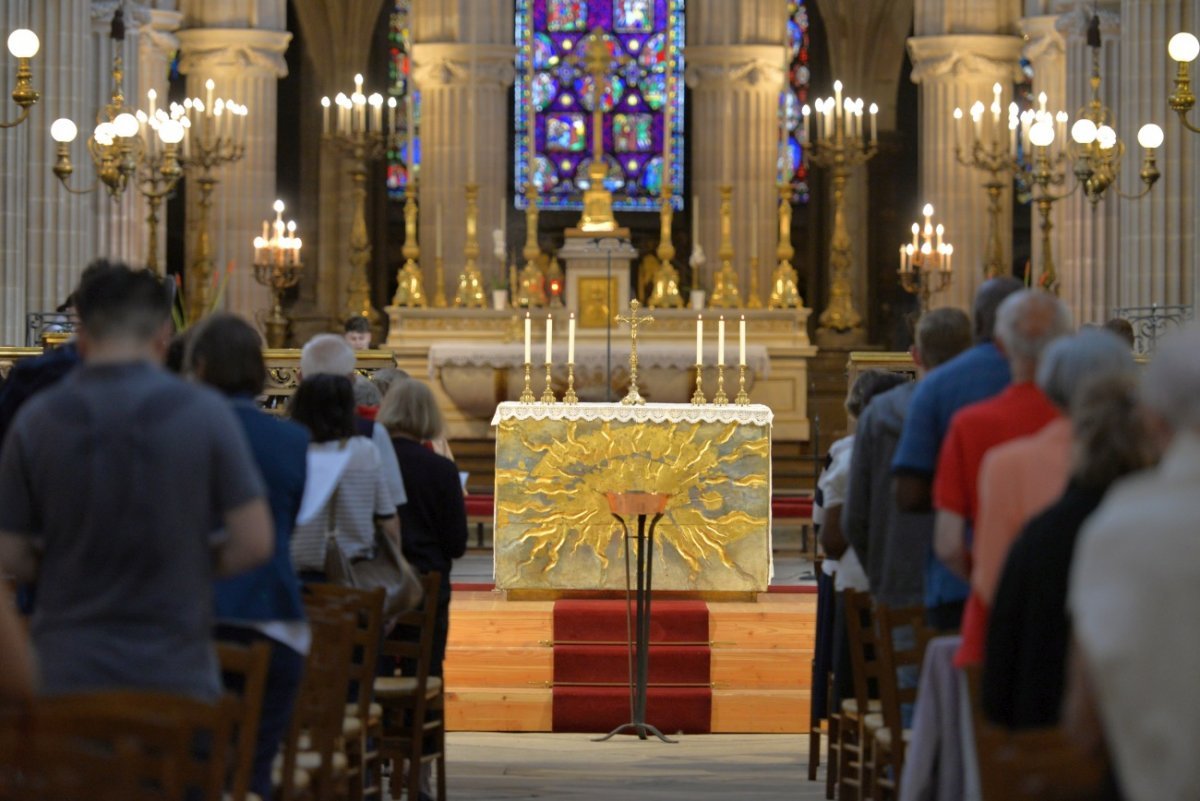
(609, 664)
(597, 621)
(602, 709)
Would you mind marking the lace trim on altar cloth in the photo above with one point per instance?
(593, 356)
(754, 414)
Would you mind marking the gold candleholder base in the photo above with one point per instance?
(527, 393)
(742, 398)
(548, 393)
(569, 397)
(720, 399)
(753, 301)
(439, 296)
(698, 398)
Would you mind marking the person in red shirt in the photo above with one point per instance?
(1026, 323)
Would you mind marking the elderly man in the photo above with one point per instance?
(329, 354)
(1026, 323)
(979, 372)
(1135, 597)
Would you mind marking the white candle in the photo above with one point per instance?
(699, 339)
(503, 222)
(208, 92)
(325, 115)
(528, 338)
(549, 338)
(721, 341)
(742, 341)
(874, 122)
(902, 258)
(437, 239)
(571, 339)
(806, 112)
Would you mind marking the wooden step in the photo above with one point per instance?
(510, 709)
(762, 668)
(760, 711)
(479, 667)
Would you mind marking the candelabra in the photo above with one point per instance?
(363, 137)
(840, 145)
(530, 290)
(925, 265)
(666, 279)
(115, 147)
(23, 44)
(1095, 147)
(993, 151)
(277, 266)
(785, 294)
(1046, 172)
(160, 170)
(725, 292)
(410, 282)
(598, 60)
(470, 282)
(1183, 49)
(217, 137)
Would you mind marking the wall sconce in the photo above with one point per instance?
(23, 44)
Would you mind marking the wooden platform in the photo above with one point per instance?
(499, 663)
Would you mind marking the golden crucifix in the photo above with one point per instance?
(633, 397)
(597, 200)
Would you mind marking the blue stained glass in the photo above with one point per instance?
(795, 95)
(633, 104)
(633, 16)
(791, 110)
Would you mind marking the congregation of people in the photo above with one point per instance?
(1025, 510)
(147, 516)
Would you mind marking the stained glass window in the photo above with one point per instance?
(399, 85)
(794, 96)
(633, 103)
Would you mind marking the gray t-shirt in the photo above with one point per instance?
(121, 474)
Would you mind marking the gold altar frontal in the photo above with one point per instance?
(555, 462)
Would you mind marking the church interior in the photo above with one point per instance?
(708, 302)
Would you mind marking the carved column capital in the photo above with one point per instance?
(1042, 37)
(454, 64)
(748, 67)
(951, 57)
(1073, 25)
(223, 49)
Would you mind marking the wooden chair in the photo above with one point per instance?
(313, 764)
(408, 727)
(892, 737)
(1030, 764)
(120, 744)
(244, 670)
(362, 724)
(860, 715)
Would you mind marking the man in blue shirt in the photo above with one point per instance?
(972, 376)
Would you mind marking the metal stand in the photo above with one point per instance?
(643, 505)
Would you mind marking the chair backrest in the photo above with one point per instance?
(244, 670)
(864, 647)
(367, 608)
(321, 699)
(902, 636)
(424, 619)
(1030, 764)
(173, 747)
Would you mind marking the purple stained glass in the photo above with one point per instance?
(795, 95)
(632, 102)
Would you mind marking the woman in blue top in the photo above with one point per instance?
(264, 604)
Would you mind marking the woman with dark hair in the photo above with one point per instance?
(347, 476)
(262, 605)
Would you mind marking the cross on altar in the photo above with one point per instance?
(633, 397)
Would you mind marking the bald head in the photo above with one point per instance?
(326, 354)
(1026, 322)
(988, 297)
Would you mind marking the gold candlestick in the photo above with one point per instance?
(742, 398)
(410, 282)
(698, 398)
(548, 393)
(720, 398)
(597, 59)
(470, 282)
(753, 301)
(439, 296)
(785, 294)
(725, 293)
(569, 397)
(666, 280)
(527, 393)
(531, 291)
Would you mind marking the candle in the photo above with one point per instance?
(437, 239)
(472, 123)
(742, 341)
(325, 116)
(874, 131)
(727, 150)
(208, 92)
(549, 337)
(503, 223)
(902, 258)
(571, 339)
(699, 339)
(806, 112)
(721, 341)
(916, 229)
(528, 338)
(1041, 101)
(410, 122)
(837, 98)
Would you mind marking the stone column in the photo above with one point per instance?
(954, 71)
(453, 80)
(14, 179)
(1158, 250)
(242, 52)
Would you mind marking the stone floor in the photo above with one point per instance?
(498, 767)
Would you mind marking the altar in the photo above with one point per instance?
(555, 462)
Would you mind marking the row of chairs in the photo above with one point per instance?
(146, 746)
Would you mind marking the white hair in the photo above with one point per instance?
(327, 354)
(1069, 361)
(1028, 321)
(1171, 384)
